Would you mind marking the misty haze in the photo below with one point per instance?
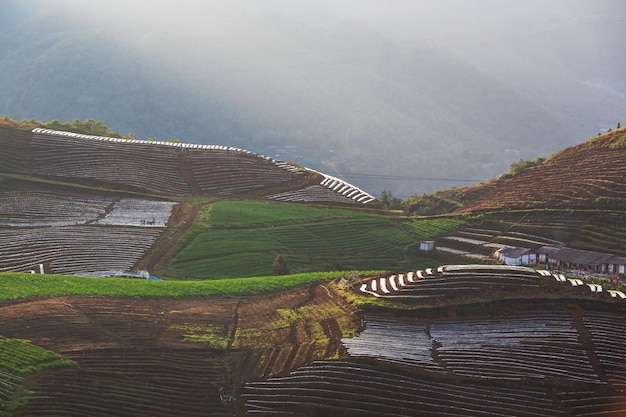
(409, 96)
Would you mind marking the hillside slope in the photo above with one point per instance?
(589, 176)
(167, 168)
(482, 341)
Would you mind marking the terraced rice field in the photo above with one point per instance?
(167, 168)
(270, 355)
(451, 282)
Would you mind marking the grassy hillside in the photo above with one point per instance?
(242, 238)
(17, 285)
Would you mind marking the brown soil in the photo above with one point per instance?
(235, 339)
(587, 176)
(76, 323)
(179, 223)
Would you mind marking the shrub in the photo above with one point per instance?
(523, 164)
(280, 265)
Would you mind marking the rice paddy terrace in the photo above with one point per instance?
(431, 339)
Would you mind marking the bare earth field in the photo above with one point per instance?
(170, 356)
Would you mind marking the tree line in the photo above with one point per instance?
(436, 203)
(85, 127)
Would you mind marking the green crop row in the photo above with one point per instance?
(230, 213)
(23, 358)
(229, 265)
(321, 243)
(242, 238)
(10, 385)
(426, 229)
(225, 242)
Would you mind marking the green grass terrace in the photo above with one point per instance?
(241, 238)
(20, 285)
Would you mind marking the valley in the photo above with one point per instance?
(366, 322)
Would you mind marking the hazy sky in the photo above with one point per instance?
(459, 25)
(465, 26)
(443, 18)
(437, 19)
(519, 42)
(312, 66)
(554, 35)
(400, 18)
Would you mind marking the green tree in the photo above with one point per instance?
(95, 127)
(280, 265)
(430, 204)
(389, 201)
(523, 164)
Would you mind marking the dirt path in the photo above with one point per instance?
(185, 165)
(586, 340)
(179, 223)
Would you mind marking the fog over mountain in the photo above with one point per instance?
(398, 95)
